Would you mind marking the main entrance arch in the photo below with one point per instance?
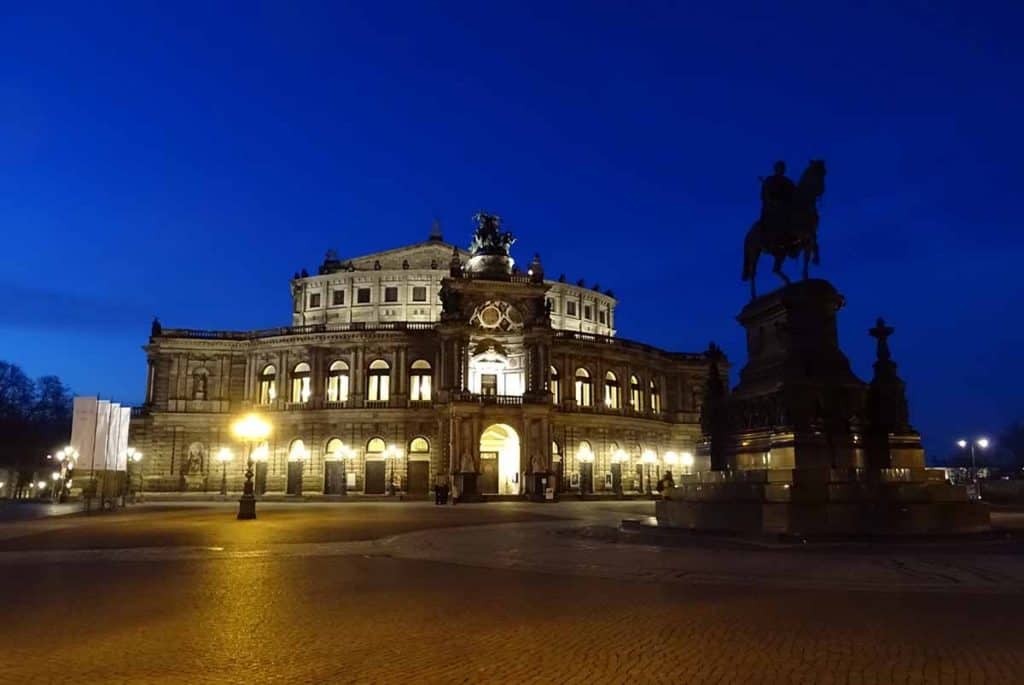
(500, 461)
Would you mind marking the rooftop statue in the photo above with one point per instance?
(488, 238)
(788, 225)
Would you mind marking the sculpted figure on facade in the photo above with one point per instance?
(193, 465)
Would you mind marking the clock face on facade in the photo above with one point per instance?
(497, 316)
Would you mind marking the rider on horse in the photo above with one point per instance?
(777, 193)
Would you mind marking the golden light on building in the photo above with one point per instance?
(251, 428)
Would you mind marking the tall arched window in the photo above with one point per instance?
(333, 449)
(554, 384)
(584, 388)
(337, 382)
(297, 451)
(636, 402)
(419, 445)
(375, 447)
(268, 384)
(612, 393)
(379, 382)
(655, 398)
(584, 452)
(419, 381)
(300, 382)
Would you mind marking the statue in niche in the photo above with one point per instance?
(193, 465)
(199, 386)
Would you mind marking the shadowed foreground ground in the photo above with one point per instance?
(340, 611)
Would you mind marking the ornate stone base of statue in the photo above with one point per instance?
(804, 447)
(467, 488)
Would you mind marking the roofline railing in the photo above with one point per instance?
(386, 326)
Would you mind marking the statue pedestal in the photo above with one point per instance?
(789, 447)
(468, 492)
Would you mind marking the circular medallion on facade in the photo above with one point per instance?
(497, 315)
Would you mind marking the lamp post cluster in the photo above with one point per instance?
(66, 460)
(981, 443)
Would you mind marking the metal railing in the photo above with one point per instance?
(356, 326)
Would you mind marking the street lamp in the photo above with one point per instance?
(343, 453)
(133, 456)
(393, 454)
(686, 459)
(250, 429)
(649, 458)
(224, 456)
(983, 443)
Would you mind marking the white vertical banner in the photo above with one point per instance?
(113, 437)
(83, 430)
(122, 445)
(99, 457)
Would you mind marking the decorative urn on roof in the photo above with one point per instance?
(490, 249)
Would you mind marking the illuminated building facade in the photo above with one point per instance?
(417, 364)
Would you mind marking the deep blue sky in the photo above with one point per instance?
(184, 161)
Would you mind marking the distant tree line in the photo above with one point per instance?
(35, 416)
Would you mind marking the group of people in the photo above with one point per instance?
(443, 490)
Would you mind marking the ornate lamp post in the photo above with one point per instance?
(133, 457)
(224, 455)
(250, 429)
(394, 455)
(649, 459)
(983, 443)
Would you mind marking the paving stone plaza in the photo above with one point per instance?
(498, 592)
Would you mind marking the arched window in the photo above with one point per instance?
(612, 393)
(375, 448)
(333, 449)
(655, 398)
(635, 394)
(379, 383)
(584, 388)
(584, 452)
(617, 454)
(199, 378)
(337, 382)
(556, 452)
(300, 382)
(419, 446)
(297, 451)
(268, 384)
(419, 381)
(554, 384)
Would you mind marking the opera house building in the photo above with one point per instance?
(419, 365)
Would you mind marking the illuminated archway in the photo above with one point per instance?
(500, 460)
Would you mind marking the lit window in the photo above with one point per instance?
(635, 394)
(375, 447)
(601, 317)
(300, 383)
(553, 304)
(554, 385)
(420, 381)
(333, 450)
(655, 398)
(379, 382)
(419, 446)
(314, 300)
(489, 384)
(268, 384)
(337, 297)
(584, 388)
(363, 296)
(391, 294)
(297, 450)
(588, 314)
(570, 308)
(337, 382)
(419, 293)
(611, 391)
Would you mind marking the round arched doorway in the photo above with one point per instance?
(500, 461)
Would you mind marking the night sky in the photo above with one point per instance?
(186, 161)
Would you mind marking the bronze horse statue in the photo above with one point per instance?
(790, 230)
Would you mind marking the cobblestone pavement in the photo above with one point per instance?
(523, 598)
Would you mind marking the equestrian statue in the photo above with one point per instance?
(789, 221)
